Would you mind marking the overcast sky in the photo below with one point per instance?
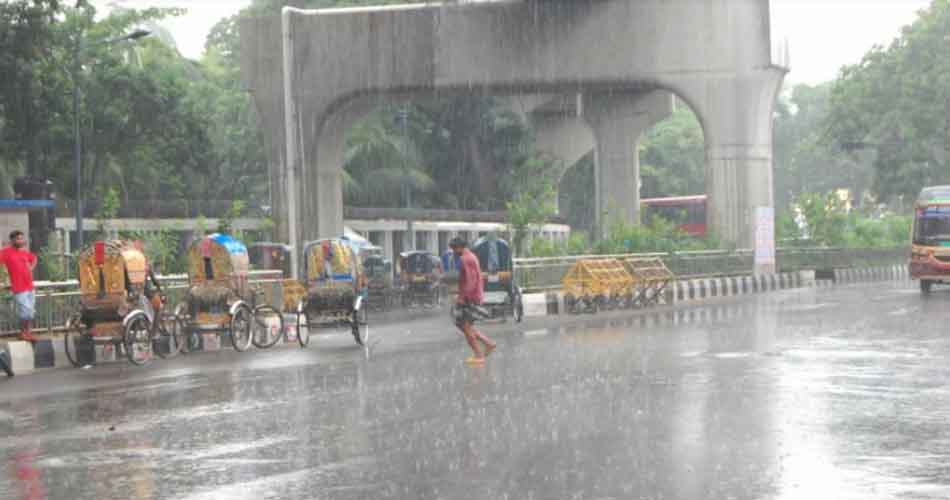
(823, 35)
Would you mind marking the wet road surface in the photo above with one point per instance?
(806, 394)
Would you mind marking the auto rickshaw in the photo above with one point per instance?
(115, 285)
(335, 294)
(502, 296)
(221, 301)
(420, 274)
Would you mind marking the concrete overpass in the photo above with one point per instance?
(314, 73)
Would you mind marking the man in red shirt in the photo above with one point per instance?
(470, 295)
(20, 264)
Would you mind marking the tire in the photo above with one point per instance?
(263, 334)
(570, 304)
(303, 326)
(190, 340)
(73, 335)
(172, 330)
(359, 330)
(5, 364)
(240, 328)
(518, 308)
(926, 286)
(137, 339)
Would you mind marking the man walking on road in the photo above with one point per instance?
(470, 295)
(20, 264)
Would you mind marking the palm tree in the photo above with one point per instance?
(380, 161)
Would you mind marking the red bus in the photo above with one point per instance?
(688, 211)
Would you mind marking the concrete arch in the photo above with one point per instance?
(334, 58)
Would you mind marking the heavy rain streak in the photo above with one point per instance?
(474, 249)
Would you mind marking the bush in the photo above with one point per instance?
(52, 265)
(162, 249)
(827, 223)
(576, 244)
(661, 237)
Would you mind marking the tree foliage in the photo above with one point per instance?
(533, 199)
(825, 221)
(896, 104)
(805, 161)
(673, 156)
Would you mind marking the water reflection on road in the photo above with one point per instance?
(798, 395)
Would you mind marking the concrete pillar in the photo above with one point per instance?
(388, 246)
(618, 120)
(433, 242)
(737, 121)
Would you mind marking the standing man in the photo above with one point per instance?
(20, 264)
(470, 295)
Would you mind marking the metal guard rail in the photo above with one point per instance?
(56, 301)
(545, 273)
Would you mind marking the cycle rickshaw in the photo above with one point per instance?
(334, 290)
(421, 277)
(115, 306)
(221, 301)
(503, 297)
(379, 281)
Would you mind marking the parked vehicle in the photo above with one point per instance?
(502, 296)
(115, 308)
(420, 275)
(220, 299)
(334, 294)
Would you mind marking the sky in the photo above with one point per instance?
(822, 35)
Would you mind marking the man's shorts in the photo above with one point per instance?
(25, 305)
(470, 313)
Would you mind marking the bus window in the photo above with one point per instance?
(932, 225)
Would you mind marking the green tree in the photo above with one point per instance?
(226, 221)
(381, 162)
(27, 37)
(533, 201)
(804, 160)
(825, 218)
(896, 104)
(106, 212)
(576, 197)
(673, 156)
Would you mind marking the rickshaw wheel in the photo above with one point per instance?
(74, 333)
(360, 335)
(303, 325)
(570, 304)
(518, 308)
(240, 328)
(926, 286)
(137, 339)
(172, 328)
(262, 335)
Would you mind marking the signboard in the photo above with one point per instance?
(764, 231)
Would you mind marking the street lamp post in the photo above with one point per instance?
(77, 139)
(403, 117)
